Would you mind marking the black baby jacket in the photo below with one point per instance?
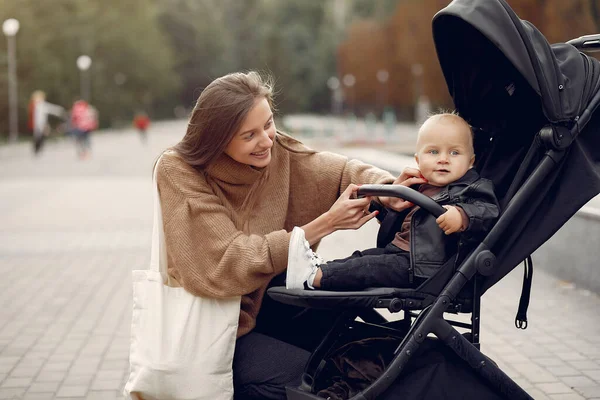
(430, 247)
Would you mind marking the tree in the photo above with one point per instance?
(122, 38)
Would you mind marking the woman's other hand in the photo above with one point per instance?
(348, 212)
(408, 177)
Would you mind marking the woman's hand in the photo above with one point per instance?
(346, 213)
(408, 177)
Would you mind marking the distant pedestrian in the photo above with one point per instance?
(84, 119)
(141, 122)
(39, 110)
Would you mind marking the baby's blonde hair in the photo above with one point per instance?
(448, 115)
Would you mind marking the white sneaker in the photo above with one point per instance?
(302, 261)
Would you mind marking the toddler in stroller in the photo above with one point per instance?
(534, 109)
(422, 243)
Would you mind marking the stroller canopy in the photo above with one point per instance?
(508, 83)
(564, 79)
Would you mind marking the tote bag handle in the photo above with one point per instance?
(158, 256)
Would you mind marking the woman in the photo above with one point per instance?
(231, 191)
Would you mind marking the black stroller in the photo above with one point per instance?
(537, 137)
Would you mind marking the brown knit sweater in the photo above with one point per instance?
(216, 250)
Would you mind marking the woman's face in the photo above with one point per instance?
(252, 144)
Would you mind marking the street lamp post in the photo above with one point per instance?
(417, 73)
(422, 105)
(382, 77)
(349, 80)
(333, 83)
(83, 64)
(10, 27)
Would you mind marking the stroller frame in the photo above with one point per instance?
(447, 297)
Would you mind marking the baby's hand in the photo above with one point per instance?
(450, 221)
(408, 177)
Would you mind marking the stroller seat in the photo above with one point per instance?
(533, 109)
(391, 298)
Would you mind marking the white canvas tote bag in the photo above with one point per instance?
(181, 345)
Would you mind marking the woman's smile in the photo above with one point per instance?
(261, 154)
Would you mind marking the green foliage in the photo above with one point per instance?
(122, 38)
(159, 54)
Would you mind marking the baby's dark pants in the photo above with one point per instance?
(387, 267)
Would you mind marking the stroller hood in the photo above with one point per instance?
(508, 83)
(564, 78)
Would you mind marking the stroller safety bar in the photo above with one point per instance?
(405, 193)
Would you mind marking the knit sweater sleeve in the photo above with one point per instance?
(357, 172)
(212, 257)
(323, 176)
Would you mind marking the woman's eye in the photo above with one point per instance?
(250, 136)
(268, 125)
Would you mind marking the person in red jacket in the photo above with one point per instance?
(84, 119)
(141, 122)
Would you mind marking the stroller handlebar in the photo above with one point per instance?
(402, 192)
(588, 43)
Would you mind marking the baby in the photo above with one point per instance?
(422, 243)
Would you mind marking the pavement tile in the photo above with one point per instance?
(104, 395)
(534, 373)
(109, 375)
(578, 381)
(8, 362)
(11, 393)
(56, 366)
(537, 394)
(51, 376)
(563, 370)
(572, 356)
(554, 388)
(78, 380)
(565, 396)
(38, 396)
(72, 391)
(16, 382)
(522, 382)
(113, 384)
(594, 374)
(548, 361)
(25, 371)
(589, 392)
(584, 365)
(44, 387)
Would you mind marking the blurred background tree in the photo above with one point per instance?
(403, 45)
(132, 65)
(156, 55)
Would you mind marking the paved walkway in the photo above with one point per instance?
(73, 230)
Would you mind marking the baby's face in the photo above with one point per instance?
(444, 151)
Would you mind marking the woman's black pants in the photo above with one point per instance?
(274, 354)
